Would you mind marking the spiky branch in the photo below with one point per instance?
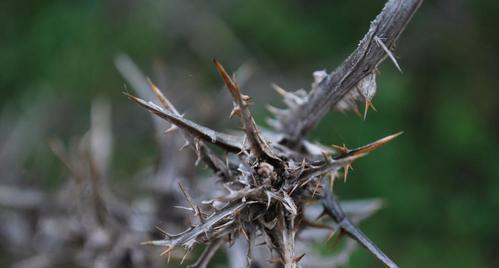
(269, 184)
(333, 209)
(330, 90)
(267, 189)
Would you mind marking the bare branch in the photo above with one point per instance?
(387, 26)
(203, 152)
(191, 236)
(333, 208)
(144, 87)
(228, 142)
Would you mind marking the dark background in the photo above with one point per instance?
(440, 180)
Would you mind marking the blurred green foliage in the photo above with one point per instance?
(440, 180)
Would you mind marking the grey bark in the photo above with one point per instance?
(387, 26)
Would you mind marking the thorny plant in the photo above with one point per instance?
(270, 177)
(275, 183)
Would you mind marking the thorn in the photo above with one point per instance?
(388, 52)
(228, 142)
(298, 259)
(167, 251)
(162, 99)
(368, 104)
(321, 215)
(196, 210)
(164, 232)
(374, 145)
(332, 178)
(185, 255)
(346, 168)
(316, 188)
(342, 149)
(183, 208)
(245, 234)
(184, 145)
(130, 96)
(171, 129)
(279, 90)
(331, 235)
(231, 85)
(235, 111)
(158, 93)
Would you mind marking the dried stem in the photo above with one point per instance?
(333, 208)
(228, 142)
(387, 27)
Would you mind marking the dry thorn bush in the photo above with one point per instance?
(271, 176)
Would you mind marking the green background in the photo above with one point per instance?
(440, 180)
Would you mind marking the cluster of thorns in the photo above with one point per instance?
(268, 184)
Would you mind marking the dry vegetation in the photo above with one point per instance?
(271, 193)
